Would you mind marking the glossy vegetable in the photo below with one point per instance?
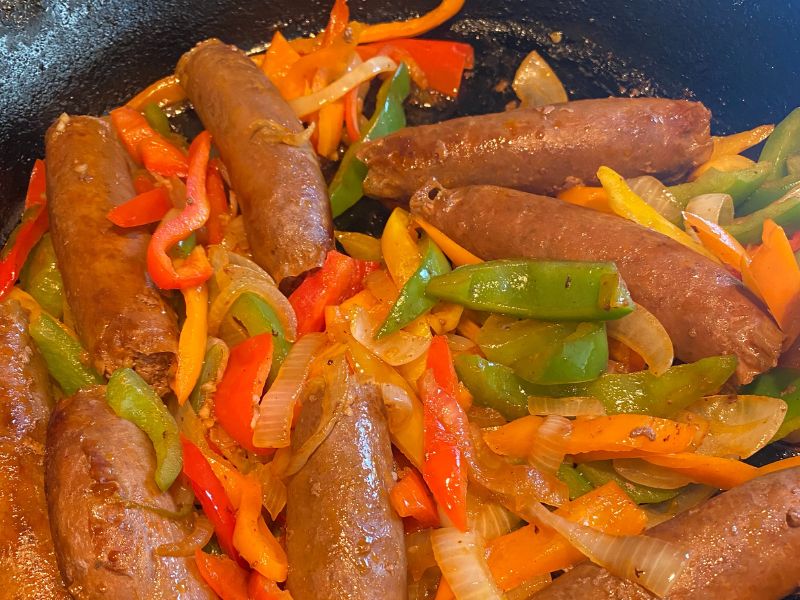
(781, 144)
(600, 473)
(20, 242)
(642, 333)
(737, 184)
(783, 383)
(411, 27)
(410, 498)
(41, 278)
(146, 146)
(192, 341)
(578, 485)
(460, 557)
(784, 211)
(147, 207)
(214, 362)
(494, 386)
(223, 575)
(536, 84)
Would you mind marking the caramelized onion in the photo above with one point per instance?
(398, 348)
(536, 84)
(201, 533)
(643, 333)
(460, 556)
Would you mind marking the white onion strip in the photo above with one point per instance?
(398, 348)
(492, 520)
(460, 557)
(272, 423)
(536, 84)
(717, 208)
(650, 562)
(305, 105)
(643, 333)
(569, 406)
(549, 444)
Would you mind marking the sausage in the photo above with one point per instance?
(540, 150)
(100, 492)
(344, 540)
(279, 184)
(705, 310)
(120, 317)
(28, 568)
(742, 544)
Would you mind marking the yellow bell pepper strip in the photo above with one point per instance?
(739, 185)
(359, 245)
(192, 341)
(412, 27)
(132, 399)
(732, 145)
(717, 241)
(330, 127)
(602, 472)
(62, 353)
(625, 203)
(723, 473)
(399, 247)
(774, 273)
(446, 429)
(444, 317)
(41, 278)
(458, 256)
(196, 269)
(586, 196)
(413, 302)
(531, 550)
(223, 575)
(784, 142)
(214, 362)
(251, 536)
(726, 163)
(167, 91)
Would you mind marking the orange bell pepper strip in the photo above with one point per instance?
(217, 203)
(337, 22)
(164, 92)
(37, 185)
(196, 269)
(147, 207)
(445, 430)
(261, 588)
(779, 465)
(412, 27)
(278, 60)
(723, 473)
(410, 498)
(588, 197)
(244, 379)
(529, 551)
(253, 539)
(192, 341)
(444, 591)
(146, 146)
(717, 241)
(224, 576)
(458, 255)
(330, 127)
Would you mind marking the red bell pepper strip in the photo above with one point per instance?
(211, 494)
(339, 278)
(37, 185)
(143, 182)
(147, 207)
(442, 62)
(337, 23)
(352, 113)
(445, 429)
(222, 575)
(242, 383)
(146, 146)
(196, 269)
(261, 588)
(217, 202)
(410, 498)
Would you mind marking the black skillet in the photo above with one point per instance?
(740, 57)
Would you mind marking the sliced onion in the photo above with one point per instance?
(273, 490)
(738, 426)
(716, 208)
(643, 333)
(419, 553)
(657, 195)
(526, 589)
(569, 406)
(398, 348)
(489, 519)
(399, 405)
(235, 238)
(693, 495)
(550, 444)
(272, 423)
(645, 473)
(536, 84)
(200, 535)
(460, 557)
(650, 562)
(272, 132)
(305, 105)
(458, 343)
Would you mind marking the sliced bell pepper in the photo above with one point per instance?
(578, 485)
(413, 302)
(446, 428)
(399, 247)
(779, 465)
(538, 289)
(146, 146)
(196, 269)
(278, 60)
(601, 472)
(458, 256)
(337, 22)
(359, 245)
(412, 27)
(346, 188)
(37, 185)
(147, 207)
(217, 202)
(737, 184)
(729, 163)
(164, 92)
(63, 354)
(784, 142)
(783, 383)
(41, 278)
(157, 119)
(214, 362)
(410, 498)
(717, 241)
(244, 379)
(20, 243)
(494, 386)
(768, 192)
(353, 105)
(192, 341)
(723, 473)
(133, 399)
(785, 212)
(330, 128)
(339, 278)
(261, 588)
(586, 196)
(223, 575)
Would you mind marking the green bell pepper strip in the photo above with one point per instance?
(157, 119)
(785, 212)
(577, 484)
(184, 247)
(767, 193)
(793, 165)
(214, 363)
(601, 472)
(134, 400)
(63, 354)
(41, 278)
(544, 352)
(783, 383)
(538, 289)
(413, 301)
(738, 184)
(359, 245)
(496, 386)
(781, 144)
(347, 187)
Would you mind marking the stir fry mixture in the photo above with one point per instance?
(539, 382)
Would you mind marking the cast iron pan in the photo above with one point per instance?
(740, 57)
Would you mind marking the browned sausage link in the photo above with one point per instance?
(28, 567)
(704, 309)
(278, 183)
(101, 493)
(344, 540)
(742, 545)
(120, 317)
(538, 150)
